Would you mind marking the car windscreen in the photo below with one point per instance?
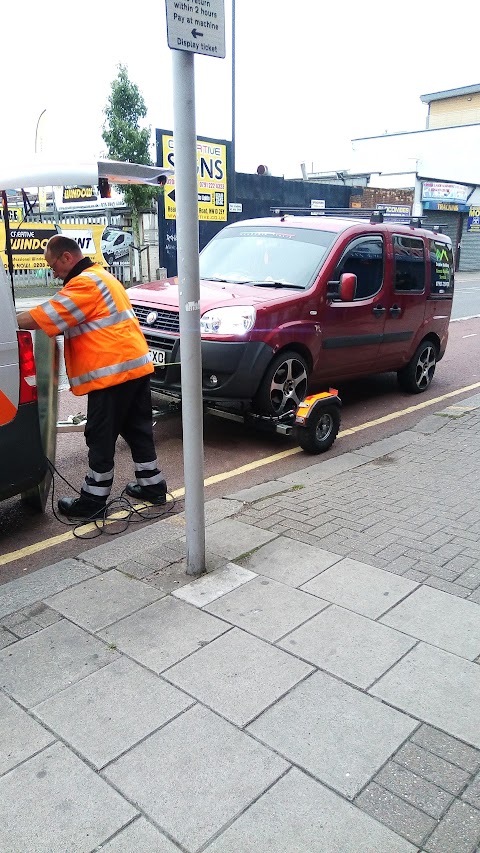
(266, 256)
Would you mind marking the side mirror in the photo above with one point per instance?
(348, 286)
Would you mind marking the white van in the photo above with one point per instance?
(23, 464)
(28, 370)
(116, 245)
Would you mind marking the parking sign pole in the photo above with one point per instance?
(186, 198)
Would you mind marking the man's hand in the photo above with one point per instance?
(26, 321)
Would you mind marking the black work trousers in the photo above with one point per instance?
(125, 410)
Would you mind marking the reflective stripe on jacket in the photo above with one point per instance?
(104, 344)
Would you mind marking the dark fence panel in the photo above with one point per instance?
(257, 194)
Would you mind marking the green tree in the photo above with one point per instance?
(126, 140)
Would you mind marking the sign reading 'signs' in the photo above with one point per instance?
(211, 179)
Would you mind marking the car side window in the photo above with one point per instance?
(409, 260)
(364, 257)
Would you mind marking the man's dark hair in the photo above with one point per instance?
(59, 244)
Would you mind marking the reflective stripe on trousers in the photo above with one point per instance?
(98, 484)
(147, 473)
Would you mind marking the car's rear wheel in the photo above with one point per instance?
(418, 373)
(283, 386)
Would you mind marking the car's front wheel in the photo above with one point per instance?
(418, 373)
(283, 386)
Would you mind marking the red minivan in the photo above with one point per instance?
(295, 302)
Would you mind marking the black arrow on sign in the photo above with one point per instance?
(196, 34)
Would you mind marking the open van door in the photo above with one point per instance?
(29, 361)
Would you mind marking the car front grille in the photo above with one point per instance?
(167, 321)
(159, 342)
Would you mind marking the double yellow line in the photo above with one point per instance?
(235, 472)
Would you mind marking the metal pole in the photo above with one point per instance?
(186, 198)
(233, 167)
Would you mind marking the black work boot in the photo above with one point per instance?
(81, 507)
(156, 494)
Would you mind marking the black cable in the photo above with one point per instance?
(103, 520)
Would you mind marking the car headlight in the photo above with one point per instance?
(235, 320)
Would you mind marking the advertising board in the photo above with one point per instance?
(212, 179)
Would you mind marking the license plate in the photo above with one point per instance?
(158, 357)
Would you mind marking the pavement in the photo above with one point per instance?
(317, 691)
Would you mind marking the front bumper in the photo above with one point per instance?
(231, 371)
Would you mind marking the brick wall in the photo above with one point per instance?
(371, 196)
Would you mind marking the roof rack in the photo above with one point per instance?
(375, 215)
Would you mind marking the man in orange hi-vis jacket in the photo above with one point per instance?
(107, 357)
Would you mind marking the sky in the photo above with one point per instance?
(310, 76)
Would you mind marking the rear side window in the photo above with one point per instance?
(441, 266)
(409, 260)
(364, 258)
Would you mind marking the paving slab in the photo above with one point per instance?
(320, 724)
(348, 645)
(459, 831)
(45, 663)
(292, 563)
(195, 775)
(20, 735)
(425, 795)
(396, 813)
(360, 587)
(232, 538)
(449, 748)
(440, 619)
(256, 493)
(127, 546)
(100, 601)
(432, 767)
(219, 508)
(387, 445)
(437, 687)
(163, 633)
(472, 793)
(139, 837)
(245, 675)
(54, 803)
(323, 470)
(206, 589)
(21, 592)
(114, 709)
(299, 815)
(266, 608)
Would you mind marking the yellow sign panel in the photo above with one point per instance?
(212, 180)
(30, 239)
(15, 215)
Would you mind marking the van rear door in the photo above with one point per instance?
(9, 370)
(405, 301)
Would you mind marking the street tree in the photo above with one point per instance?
(127, 140)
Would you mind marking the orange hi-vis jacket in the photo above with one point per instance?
(104, 344)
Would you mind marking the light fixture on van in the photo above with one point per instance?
(231, 320)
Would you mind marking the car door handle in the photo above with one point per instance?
(395, 311)
(379, 310)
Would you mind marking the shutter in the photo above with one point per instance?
(447, 221)
(470, 251)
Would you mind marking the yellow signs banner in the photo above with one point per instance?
(30, 239)
(212, 179)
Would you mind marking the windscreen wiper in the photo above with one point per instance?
(274, 284)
